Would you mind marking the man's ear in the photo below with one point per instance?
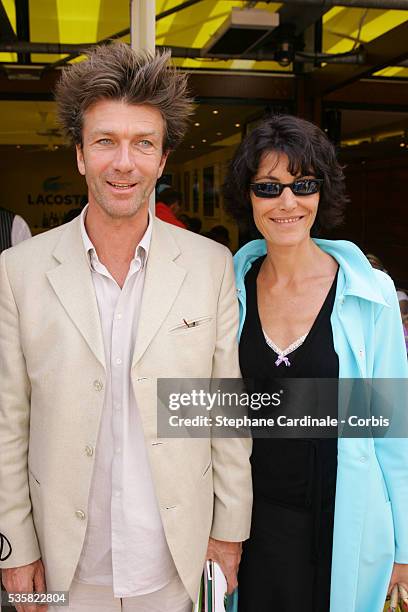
(80, 159)
(163, 162)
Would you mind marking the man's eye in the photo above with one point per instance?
(104, 141)
(145, 143)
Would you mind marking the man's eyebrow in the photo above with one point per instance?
(108, 132)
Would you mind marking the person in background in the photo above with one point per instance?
(376, 262)
(220, 234)
(195, 225)
(13, 229)
(329, 527)
(185, 219)
(403, 304)
(401, 294)
(161, 185)
(168, 207)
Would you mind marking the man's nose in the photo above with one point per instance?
(123, 160)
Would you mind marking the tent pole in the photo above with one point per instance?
(143, 36)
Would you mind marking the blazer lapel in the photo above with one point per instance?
(72, 283)
(163, 280)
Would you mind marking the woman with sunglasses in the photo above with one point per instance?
(324, 533)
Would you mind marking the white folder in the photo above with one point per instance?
(213, 589)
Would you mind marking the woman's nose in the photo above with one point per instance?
(287, 199)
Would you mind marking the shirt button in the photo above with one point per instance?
(363, 459)
(119, 315)
(117, 406)
(118, 361)
(117, 450)
(80, 514)
(117, 493)
(89, 450)
(98, 385)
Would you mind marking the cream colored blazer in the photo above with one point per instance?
(52, 390)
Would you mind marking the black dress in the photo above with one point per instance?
(286, 563)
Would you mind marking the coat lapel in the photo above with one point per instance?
(72, 283)
(163, 280)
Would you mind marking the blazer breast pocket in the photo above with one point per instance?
(190, 325)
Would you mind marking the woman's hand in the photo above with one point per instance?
(400, 576)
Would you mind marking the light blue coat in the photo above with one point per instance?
(371, 512)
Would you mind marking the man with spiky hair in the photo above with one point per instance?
(92, 313)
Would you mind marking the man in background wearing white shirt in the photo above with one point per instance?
(91, 313)
(13, 229)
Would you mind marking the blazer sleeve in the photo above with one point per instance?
(390, 361)
(230, 456)
(16, 521)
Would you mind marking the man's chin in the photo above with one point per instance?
(124, 210)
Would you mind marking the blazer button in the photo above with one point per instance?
(98, 385)
(80, 514)
(89, 450)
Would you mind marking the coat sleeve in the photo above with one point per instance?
(391, 362)
(16, 521)
(230, 456)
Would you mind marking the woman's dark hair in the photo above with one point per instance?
(309, 151)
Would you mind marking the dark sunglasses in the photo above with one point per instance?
(300, 187)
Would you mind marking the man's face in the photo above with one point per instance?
(121, 156)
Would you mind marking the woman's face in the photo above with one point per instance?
(287, 219)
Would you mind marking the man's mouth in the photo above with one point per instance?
(286, 219)
(122, 186)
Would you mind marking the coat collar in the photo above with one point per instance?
(164, 277)
(359, 277)
(73, 285)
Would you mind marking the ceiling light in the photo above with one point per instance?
(197, 124)
(242, 30)
(219, 133)
(204, 140)
(215, 112)
(402, 145)
(237, 125)
(192, 146)
(18, 146)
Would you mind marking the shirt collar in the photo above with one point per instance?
(141, 251)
